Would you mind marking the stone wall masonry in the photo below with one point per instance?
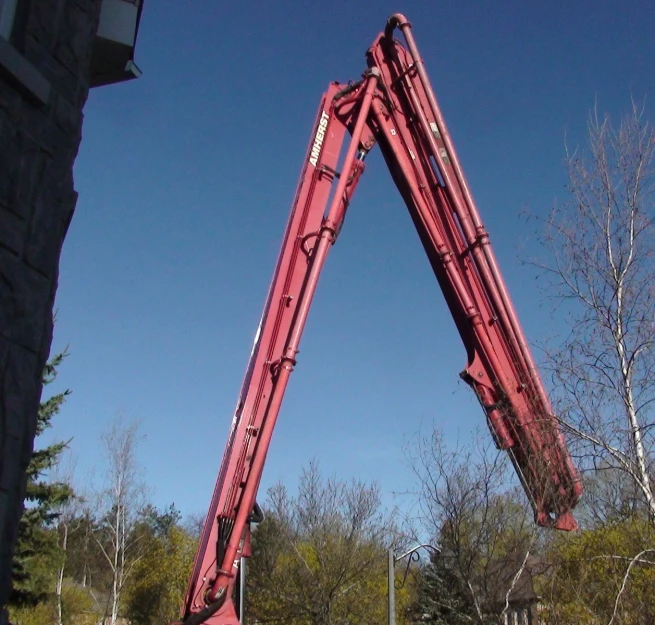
(38, 147)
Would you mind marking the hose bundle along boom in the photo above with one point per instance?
(393, 106)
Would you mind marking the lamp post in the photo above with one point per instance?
(391, 580)
(391, 590)
(242, 590)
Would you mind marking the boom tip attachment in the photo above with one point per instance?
(566, 522)
(397, 20)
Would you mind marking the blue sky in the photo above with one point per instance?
(185, 179)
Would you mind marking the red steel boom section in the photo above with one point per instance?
(394, 106)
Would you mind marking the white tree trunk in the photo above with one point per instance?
(123, 499)
(60, 574)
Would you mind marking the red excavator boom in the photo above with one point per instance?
(393, 106)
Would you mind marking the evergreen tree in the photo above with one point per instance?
(35, 558)
(443, 598)
(159, 523)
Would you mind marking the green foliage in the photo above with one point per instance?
(587, 571)
(320, 558)
(155, 590)
(36, 554)
(155, 587)
(78, 606)
(301, 583)
(39, 614)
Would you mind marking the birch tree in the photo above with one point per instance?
(68, 519)
(599, 274)
(121, 499)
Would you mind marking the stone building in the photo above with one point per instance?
(51, 53)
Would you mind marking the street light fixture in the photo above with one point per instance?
(393, 558)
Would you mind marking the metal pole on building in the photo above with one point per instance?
(391, 590)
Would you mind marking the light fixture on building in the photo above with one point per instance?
(112, 59)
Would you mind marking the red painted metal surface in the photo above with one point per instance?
(394, 106)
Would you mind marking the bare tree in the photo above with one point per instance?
(194, 523)
(482, 523)
(319, 557)
(611, 496)
(121, 499)
(599, 274)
